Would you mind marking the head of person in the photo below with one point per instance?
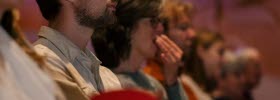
(176, 16)
(134, 33)
(250, 58)
(88, 13)
(205, 58)
(9, 4)
(9, 22)
(232, 76)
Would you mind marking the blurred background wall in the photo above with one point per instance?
(243, 22)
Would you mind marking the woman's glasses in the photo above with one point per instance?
(155, 21)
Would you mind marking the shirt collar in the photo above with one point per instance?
(69, 49)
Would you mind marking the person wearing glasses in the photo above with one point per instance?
(126, 46)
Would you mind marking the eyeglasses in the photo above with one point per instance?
(155, 21)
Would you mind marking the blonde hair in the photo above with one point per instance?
(173, 10)
(10, 24)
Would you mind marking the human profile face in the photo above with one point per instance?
(143, 38)
(95, 13)
(212, 59)
(181, 32)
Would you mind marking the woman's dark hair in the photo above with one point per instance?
(194, 65)
(9, 23)
(112, 44)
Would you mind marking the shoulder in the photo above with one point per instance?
(109, 79)
(106, 72)
(198, 91)
(52, 59)
(153, 80)
(126, 81)
(44, 50)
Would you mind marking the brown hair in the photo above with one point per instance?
(113, 45)
(193, 63)
(9, 23)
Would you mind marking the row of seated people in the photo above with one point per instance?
(127, 35)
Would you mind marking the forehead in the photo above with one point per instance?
(180, 19)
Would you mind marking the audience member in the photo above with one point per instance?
(71, 25)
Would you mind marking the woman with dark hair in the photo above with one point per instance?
(202, 69)
(126, 46)
(21, 77)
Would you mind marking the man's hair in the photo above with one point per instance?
(113, 44)
(49, 8)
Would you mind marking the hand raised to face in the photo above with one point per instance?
(171, 56)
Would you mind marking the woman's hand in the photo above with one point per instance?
(171, 56)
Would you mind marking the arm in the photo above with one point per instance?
(171, 56)
(176, 92)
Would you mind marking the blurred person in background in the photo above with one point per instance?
(21, 77)
(126, 46)
(250, 59)
(202, 66)
(231, 83)
(71, 25)
(176, 18)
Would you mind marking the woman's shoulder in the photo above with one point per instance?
(126, 81)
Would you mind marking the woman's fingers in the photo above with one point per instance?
(167, 46)
(171, 43)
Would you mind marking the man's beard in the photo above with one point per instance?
(84, 18)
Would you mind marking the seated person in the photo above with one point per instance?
(231, 83)
(21, 76)
(126, 46)
(250, 58)
(201, 71)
